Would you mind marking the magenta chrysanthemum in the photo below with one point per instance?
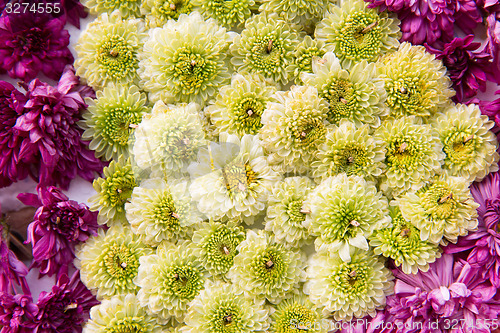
(17, 313)
(32, 43)
(59, 224)
(12, 271)
(52, 137)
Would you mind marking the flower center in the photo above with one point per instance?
(121, 263)
(127, 325)
(184, 281)
(239, 178)
(295, 318)
(246, 114)
(226, 318)
(269, 266)
(438, 201)
(308, 133)
(32, 41)
(180, 143)
(116, 57)
(166, 214)
(116, 125)
(267, 54)
(221, 247)
(171, 9)
(343, 222)
(402, 153)
(352, 159)
(193, 70)
(405, 96)
(339, 94)
(304, 60)
(360, 36)
(350, 278)
(295, 213)
(117, 188)
(459, 147)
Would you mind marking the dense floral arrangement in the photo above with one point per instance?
(269, 166)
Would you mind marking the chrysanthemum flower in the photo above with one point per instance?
(158, 212)
(297, 11)
(127, 8)
(346, 289)
(17, 313)
(266, 46)
(221, 307)
(351, 150)
(12, 270)
(109, 262)
(294, 128)
(356, 94)
(413, 154)
(185, 60)
(169, 280)
(66, 307)
(158, 12)
(285, 212)
(344, 212)
(469, 146)
(416, 83)
(217, 243)
(108, 50)
(401, 242)
(237, 186)
(305, 54)
(442, 209)
(298, 313)
(58, 226)
(121, 313)
(354, 32)
(227, 13)
(238, 107)
(168, 139)
(111, 118)
(32, 43)
(263, 268)
(113, 190)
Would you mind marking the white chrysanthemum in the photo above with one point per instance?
(355, 93)
(158, 12)
(297, 11)
(344, 212)
(469, 146)
(125, 7)
(169, 280)
(285, 214)
(415, 81)
(158, 212)
(413, 154)
(263, 268)
(307, 51)
(348, 289)
(355, 32)
(237, 186)
(185, 60)
(442, 210)
(351, 150)
(109, 262)
(294, 128)
(107, 51)
(238, 107)
(168, 139)
(221, 308)
(227, 13)
(121, 314)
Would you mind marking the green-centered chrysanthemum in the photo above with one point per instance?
(121, 314)
(356, 94)
(344, 212)
(125, 7)
(107, 51)
(413, 154)
(159, 212)
(266, 46)
(113, 190)
(285, 211)
(158, 12)
(185, 60)
(221, 308)
(169, 280)
(415, 81)
(297, 11)
(348, 289)
(294, 128)
(355, 32)
(109, 262)
(217, 243)
(168, 139)
(442, 209)
(228, 13)
(237, 187)
(111, 118)
(238, 107)
(264, 268)
(468, 143)
(351, 150)
(401, 242)
(306, 52)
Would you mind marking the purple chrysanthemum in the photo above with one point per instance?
(17, 313)
(59, 224)
(468, 68)
(30, 43)
(49, 125)
(66, 307)
(450, 294)
(492, 110)
(12, 168)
